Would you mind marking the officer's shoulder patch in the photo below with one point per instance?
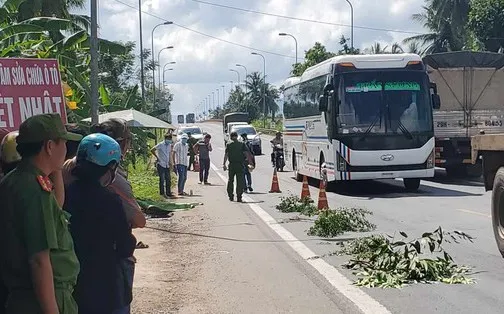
(45, 183)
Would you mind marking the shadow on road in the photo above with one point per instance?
(441, 177)
(387, 189)
(392, 189)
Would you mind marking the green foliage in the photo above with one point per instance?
(486, 22)
(144, 181)
(293, 204)
(275, 125)
(381, 261)
(331, 223)
(250, 101)
(319, 53)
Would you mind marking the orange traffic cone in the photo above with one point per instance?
(196, 165)
(275, 188)
(322, 199)
(305, 192)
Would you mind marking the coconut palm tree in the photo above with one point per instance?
(446, 20)
(256, 86)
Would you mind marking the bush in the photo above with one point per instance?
(382, 262)
(331, 223)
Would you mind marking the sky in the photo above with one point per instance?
(203, 63)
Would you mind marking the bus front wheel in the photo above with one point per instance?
(411, 184)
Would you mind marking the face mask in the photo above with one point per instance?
(184, 141)
(109, 177)
(167, 141)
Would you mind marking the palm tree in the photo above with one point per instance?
(256, 86)
(446, 20)
(396, 48)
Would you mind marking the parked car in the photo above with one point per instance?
(229, 126)
(252, 136)
(195, 131)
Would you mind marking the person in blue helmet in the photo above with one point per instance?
(98, 225)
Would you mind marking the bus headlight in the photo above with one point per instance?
(431, 160)
(342, 164)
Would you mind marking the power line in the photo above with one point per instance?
(204, 34)
(303, 19)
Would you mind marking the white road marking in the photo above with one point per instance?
(343, 285)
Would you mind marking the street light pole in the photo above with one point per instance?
(237, 73)
(94, 61)
(159, 61)
(246, 75)
(142, 75)
(213, 97)
(164, 71)
(154, 62)
(218, 98)
(264, 86)
(295, 40)
(351, 24)
(223, 97)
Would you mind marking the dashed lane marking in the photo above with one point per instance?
(343, 285)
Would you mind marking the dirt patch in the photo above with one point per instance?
(166, 278)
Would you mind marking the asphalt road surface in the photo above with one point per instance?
(460, 205)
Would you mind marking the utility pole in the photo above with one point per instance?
(94, 61)
(142, 75)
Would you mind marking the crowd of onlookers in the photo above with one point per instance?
(67, 211)
(45, 265)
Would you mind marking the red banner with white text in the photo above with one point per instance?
(29, 87)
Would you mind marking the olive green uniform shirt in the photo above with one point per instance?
(31, 221)
(236, 152)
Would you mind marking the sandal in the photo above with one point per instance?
(142, 245)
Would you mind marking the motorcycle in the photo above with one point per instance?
(278, 157)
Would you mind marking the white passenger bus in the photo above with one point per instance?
(361, 117)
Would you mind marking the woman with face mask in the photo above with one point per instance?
(99, 228)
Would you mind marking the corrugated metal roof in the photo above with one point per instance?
(135, 118)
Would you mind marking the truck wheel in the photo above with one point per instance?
(498, 209)
(411, 184)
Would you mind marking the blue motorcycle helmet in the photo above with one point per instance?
(98, 157)
(99, 149)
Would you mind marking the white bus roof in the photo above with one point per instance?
(291, 81)
(375, 61)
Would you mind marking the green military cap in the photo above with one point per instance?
(44, 127)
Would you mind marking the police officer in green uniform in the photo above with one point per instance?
(235, 151)
(38, 262)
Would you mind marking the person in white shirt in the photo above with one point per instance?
(163, 152)
(180, 152)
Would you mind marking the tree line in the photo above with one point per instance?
(453, 25)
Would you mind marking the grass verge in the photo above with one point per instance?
(145, 181)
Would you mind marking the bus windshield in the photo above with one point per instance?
(384, 102)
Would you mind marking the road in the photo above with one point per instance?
(297, 283)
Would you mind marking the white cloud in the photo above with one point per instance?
(203, 63)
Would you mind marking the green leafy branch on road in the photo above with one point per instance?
(331, 223)
(379, 261)
(294, 204)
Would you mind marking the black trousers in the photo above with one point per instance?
(204, 169)
(164, 180)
